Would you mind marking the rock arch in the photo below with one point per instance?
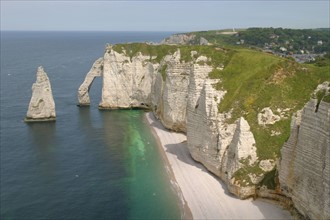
(95, 71)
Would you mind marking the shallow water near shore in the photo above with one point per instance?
(89, 164)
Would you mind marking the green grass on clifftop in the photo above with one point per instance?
(131, 49)
(255, 80)
(218, 56)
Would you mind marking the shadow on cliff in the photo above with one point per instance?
(181, 151)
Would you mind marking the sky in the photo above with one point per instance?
(169, 15)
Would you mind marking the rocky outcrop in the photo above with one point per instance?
(179, 39)
(304, 172)
(95, 71)
(267, 117)
(185, 39)
(241, 153)
(42, 105)
(203, 41)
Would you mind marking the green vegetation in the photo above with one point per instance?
(218, 56)
(269, 179)
(326, 98)
(217, 38)
(293, 40)
(242, 175)
(255, 80)
(163, 72)
(158, 51)
(321, 95)
(322, 60)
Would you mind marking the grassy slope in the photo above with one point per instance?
(256, 80)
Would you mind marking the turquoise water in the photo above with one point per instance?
(89, 164)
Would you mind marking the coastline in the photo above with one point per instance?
(202, 194)
(184, 208)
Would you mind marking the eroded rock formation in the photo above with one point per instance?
(95, 71)
(305, 166)
(42, 105)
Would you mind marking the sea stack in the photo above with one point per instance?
(42, 105)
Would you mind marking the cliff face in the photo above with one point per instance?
(169, 92)
(183, 96)
(42, 105)
(305, 166)
(136, 82)
(202, 126)
(223, 148)
(126, 81)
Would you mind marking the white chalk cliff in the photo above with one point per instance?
(184, 98)
(305, 165)
(95, 71)
(42, 105)
(169, 92)
(126, 81)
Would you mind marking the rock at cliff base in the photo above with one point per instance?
(42, 105)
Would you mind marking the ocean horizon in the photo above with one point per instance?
(89, 164)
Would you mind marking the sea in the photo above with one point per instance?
(89, 164)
